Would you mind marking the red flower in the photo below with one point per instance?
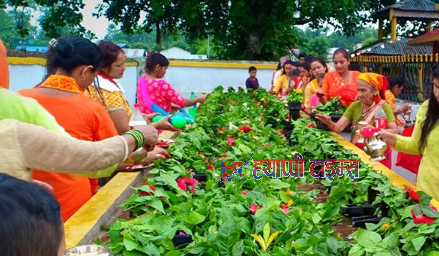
(245, 128)
(224, 155)
(230, 140)
(225, 174)
(412, 194)
(284, 208)
(228, 101)
(422, 218)
(144, 193)
(244, 192)
(201, 153)
(253, 208)
(263, 116)
(265, 103)
(312, 125)
(210, 166)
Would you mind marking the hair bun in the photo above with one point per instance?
(65, 48)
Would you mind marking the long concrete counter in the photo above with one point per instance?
(83, 227)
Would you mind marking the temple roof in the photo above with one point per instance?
(394, 47)
(421, 9)
(426, 39)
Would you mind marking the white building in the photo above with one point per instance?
(180, 54)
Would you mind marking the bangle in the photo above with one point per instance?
(138, 136)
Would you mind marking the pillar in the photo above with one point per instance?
(380, 29)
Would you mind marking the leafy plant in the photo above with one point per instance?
(296, 96)
(333, 106)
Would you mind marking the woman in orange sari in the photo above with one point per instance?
(72, 66)
(340, 83)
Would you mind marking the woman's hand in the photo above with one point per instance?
(157, 153)
(320, 93)
(388, 137)
(324, 119)
(43, 184)
(201, 99)
(164, 124)
(151, 136)
(149, 117)
(175, 107)
(405, 108)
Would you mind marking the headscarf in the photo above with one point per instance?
(377, 81)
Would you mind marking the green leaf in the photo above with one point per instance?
(419, 242)
(368, 239)
(197, 250)
(429, 212)
(417, 210)
(157, 204)
(238, 248)
(130, 244)
(195, 218)
(227, 237)
(151, 249)
(245, 149)
(424, 198)
(337, 192)
(284, 196)
(407, 212)
(270, 203)
(393, 241)
(266, 231)
(278, 184)
(356, 250)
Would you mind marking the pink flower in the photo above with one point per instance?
(253, 208)
(369, 132)
(285, 210)
(184, 182)
(230, 140)
(181, 184)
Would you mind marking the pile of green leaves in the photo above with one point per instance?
(296, 96)
(333, 106)
(218, 216)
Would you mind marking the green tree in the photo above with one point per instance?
(8, 32)
(318, 47)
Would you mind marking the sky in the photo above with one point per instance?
(96, 25)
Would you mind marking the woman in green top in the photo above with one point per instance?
(370, 104)
(424, 140)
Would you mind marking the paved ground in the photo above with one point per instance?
(406, 174)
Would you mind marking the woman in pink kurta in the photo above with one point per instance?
(159, 91)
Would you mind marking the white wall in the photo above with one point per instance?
(205, 79)
(183, 79)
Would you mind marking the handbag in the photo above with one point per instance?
(408, 161)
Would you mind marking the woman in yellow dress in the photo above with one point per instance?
(318, 71)
(396, 85)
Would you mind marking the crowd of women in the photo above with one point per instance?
(367, 96)
(73, 127)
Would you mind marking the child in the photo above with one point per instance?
(295, 79)
(252, 81)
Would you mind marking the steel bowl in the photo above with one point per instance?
(88, 250)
